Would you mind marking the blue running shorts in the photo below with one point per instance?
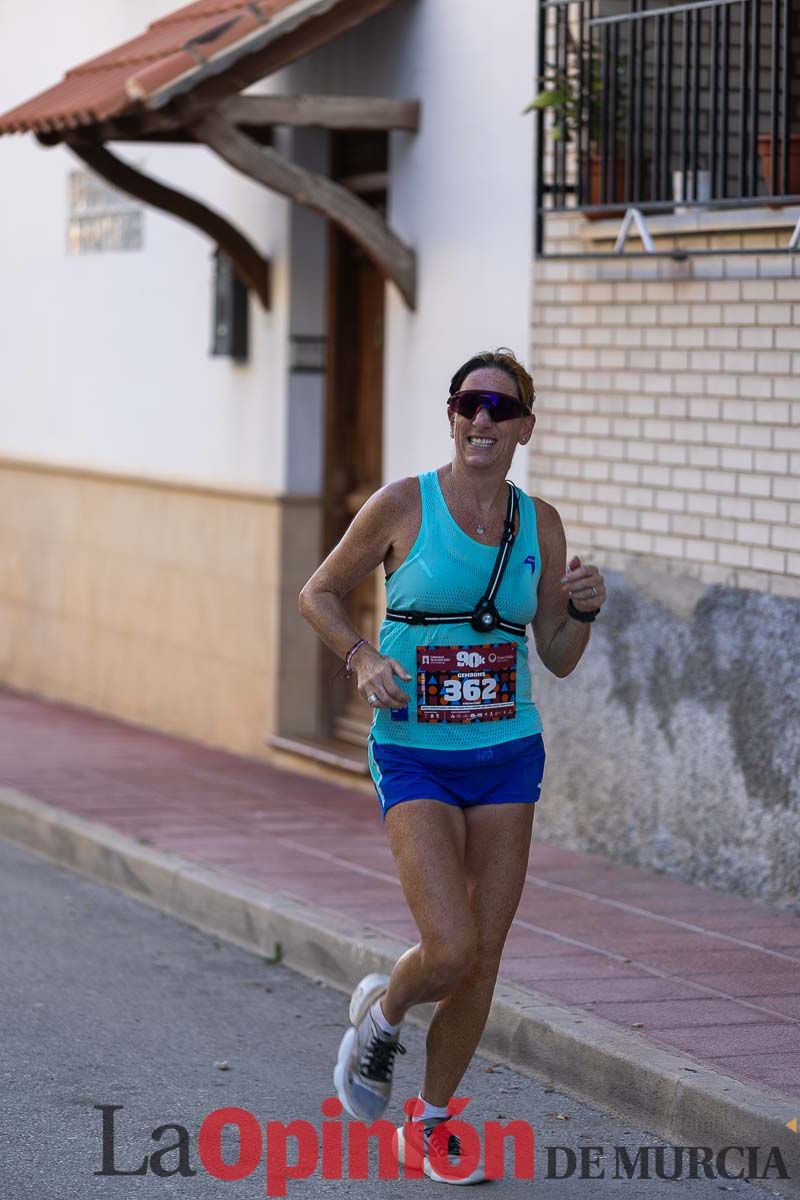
(508, 773)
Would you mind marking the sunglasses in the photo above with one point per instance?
(499, 406)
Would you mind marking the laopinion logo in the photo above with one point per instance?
(340, 1149)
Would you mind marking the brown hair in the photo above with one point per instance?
(504, 360)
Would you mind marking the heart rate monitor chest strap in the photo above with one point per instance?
(484, 616)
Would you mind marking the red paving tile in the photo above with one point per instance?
(638, 943)
(695, 1011)
(787, 1006)
(689, 962)
(758, 917)
(596, 991)
(783, 938)
(536, 971)
(714, 976)
(758, 1038)
(402, 922)
(777, 981)
(694, 910)
(521, 943)
(771, 1071)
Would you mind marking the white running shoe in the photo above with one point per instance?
(363, 1073)
(478, 1175)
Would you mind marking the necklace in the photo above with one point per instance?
(481, 525)
(482, 522)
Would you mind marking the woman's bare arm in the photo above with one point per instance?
(366, 544)
(560, 641)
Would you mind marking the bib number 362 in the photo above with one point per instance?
(466, 683)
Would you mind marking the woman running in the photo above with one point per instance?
(455, 750)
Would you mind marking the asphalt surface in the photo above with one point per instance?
(104, 1002)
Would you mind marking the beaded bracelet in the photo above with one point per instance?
(349, 656)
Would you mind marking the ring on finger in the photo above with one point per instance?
(372, 698)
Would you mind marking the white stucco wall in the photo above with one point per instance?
(105, 357)
(462, 195)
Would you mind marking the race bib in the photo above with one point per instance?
(467, 683)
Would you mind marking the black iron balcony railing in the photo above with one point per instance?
(656, 105)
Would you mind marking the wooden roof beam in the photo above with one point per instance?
(251, 266)
(326, 112)
(365, 226)
(257, 114)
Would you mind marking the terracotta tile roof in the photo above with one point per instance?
(176, 46)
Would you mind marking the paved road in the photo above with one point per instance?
(105, 1001)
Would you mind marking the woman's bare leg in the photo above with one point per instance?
(428, 841)
(497, 848)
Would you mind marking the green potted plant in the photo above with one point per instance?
(573, 93)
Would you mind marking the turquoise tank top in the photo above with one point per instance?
(447, 571)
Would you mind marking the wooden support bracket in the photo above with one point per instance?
(251, 266)
(394, 259)
(325, 112)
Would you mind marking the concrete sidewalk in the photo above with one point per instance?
(662, 1000)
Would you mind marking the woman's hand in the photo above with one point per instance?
(375, 674)
(584, 583)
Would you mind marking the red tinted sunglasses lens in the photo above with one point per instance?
(499, 406)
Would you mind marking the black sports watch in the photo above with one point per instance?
(586, 617)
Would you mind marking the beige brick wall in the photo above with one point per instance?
(668, 402)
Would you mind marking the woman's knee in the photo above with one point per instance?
(449, 958)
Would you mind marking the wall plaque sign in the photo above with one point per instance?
(101, 219)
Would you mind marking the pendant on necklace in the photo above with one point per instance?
(479, 529)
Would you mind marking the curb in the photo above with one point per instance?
(662, 1091)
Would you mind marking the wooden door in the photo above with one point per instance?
(354, 435)
(354, 408)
